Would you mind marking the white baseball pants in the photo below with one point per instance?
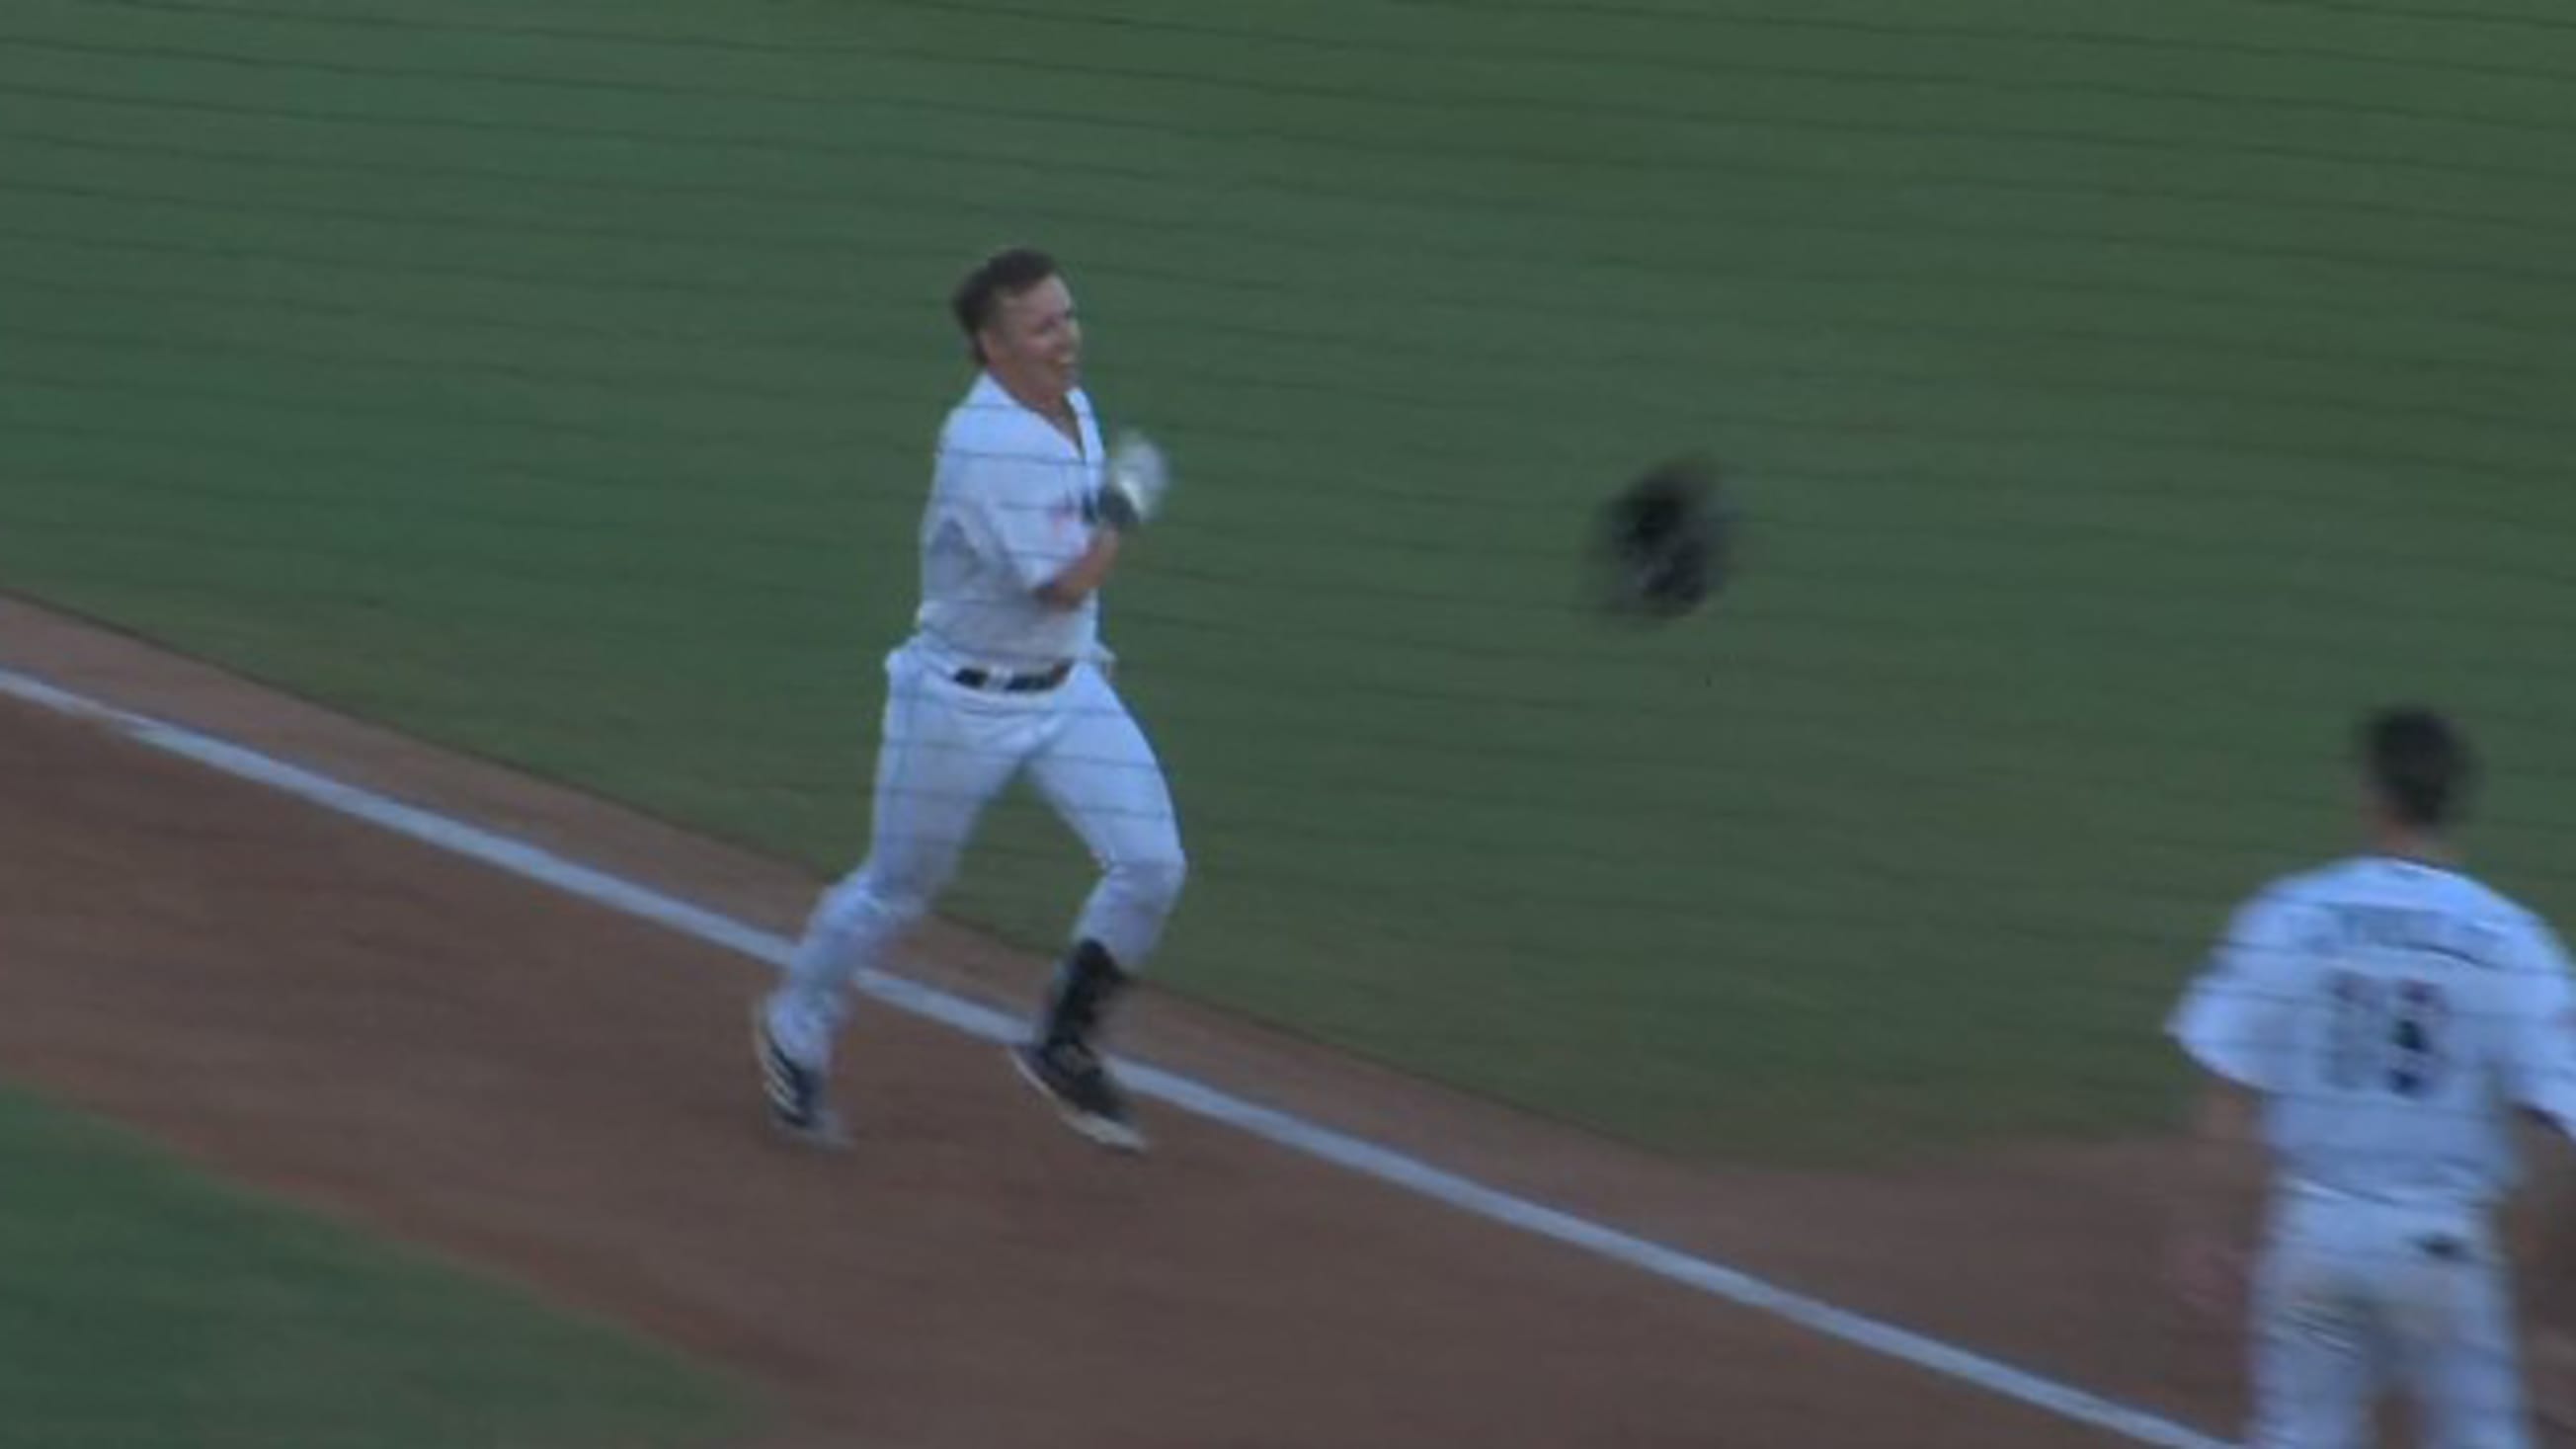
(947, 750)
(2355, 1297)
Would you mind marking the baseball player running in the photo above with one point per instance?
(1004, 673)
(2377, 1022)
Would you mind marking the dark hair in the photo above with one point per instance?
(2420, 765)
(1006, 273)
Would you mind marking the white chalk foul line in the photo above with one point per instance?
(529, 862)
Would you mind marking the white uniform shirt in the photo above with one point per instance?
(1007, 514)
(2391, 1013)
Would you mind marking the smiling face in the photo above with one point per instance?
(1032, 343)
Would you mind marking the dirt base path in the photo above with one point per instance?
(436, 1049)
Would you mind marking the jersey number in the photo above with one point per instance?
(2385, 1033)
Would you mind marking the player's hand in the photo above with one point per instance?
(1138, 477)
(2208, 1275)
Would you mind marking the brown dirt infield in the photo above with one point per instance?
(457, 1057)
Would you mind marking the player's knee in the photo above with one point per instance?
(1154, 881)
(894, 898)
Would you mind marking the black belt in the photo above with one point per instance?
(1014, 683)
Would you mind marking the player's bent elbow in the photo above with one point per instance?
(1060, 596)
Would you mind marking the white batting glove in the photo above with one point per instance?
(1138, 474)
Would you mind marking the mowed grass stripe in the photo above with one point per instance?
(148, 1306)
(557, 379)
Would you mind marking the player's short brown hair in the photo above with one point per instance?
(1006, 273)
(2420, 764)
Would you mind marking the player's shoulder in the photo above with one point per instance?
(2295, 891)
(2455, 891)
(2296, 905)
(991, 443)
(2536, 940)
(984, 411)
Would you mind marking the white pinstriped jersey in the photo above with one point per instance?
(2392, 1013)
(1007, 513)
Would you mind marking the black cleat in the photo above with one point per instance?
(1085, 1095)
(795, 1091)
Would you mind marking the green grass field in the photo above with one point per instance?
(146, 1307)
(2123, 396)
